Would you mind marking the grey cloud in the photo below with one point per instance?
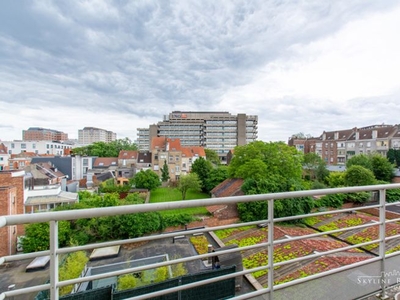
(154, 56)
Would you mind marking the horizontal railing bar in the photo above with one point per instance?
(392, 220)
(328, 212)
(36, 288)
(65, 250)
(326, 273)
(151, 207)
(320, 254)
(197, 283)
(302, 237)
(157, 265)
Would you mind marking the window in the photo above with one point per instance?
(1, 158)
(177, 168)
(85, 162)
(33, 146)
(23, 146)
(12, 145)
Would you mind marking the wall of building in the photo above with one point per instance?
(8, 206)
(12, 201)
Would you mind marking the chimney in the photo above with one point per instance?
(374, 134)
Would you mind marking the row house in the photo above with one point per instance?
(336, 147)
(179, 159)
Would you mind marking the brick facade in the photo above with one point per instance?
(8, 206)
(12, 190)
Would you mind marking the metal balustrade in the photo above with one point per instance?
(379, 267)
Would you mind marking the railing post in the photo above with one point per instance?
(382, 242)
(54, 290)
(271, 248)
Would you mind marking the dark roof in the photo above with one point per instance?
(229, 187)
(144, 157)
(62, 163)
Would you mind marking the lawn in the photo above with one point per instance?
(166, 194)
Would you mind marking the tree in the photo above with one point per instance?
(202, 168)
(277, 158)
(190, 181)
(360, 160)
(165, 172)
(382, 168)
(37, 236)
(358, 176)
(252, 211)
(103, 149)
(393, 156)
(216, 176)
(147, 180)
(336, 179)
(321, 173)
(212, 156)
(311, 163)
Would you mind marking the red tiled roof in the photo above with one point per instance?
(160, 142)
(198, 150)
(105, 161)
(128, 154)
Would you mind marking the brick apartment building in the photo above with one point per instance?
(12, 185)
(43, 134)
(336, 147)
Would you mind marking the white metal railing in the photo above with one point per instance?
(54, 252)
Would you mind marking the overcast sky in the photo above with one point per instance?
(301, 66)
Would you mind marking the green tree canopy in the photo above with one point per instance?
(381, 167)
(360, 160)
(252, 211)
(102, 149)
(202, 168)
(165, 172)
(358, 175)
(393, 155)
(311, 163)
(146, 180)
(212, 156)
(277, 158)
(336, 179)
(216, 176)
(190, 181)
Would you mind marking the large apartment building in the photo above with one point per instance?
(43, 134)
(219, 131)
(336, 147)
(90, 135)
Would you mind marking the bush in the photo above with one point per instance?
(360, 197)
(72, 268)
(393, 195)
(176, 219)
(316, 185)
(333, 200)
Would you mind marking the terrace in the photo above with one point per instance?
(296, 264)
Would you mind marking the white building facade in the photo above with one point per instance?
(38, 147)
